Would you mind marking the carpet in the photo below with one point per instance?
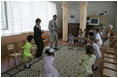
(66, 62)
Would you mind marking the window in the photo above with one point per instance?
(21, 15)
(4, 16)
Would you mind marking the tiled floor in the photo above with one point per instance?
(5, 66)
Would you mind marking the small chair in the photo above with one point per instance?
(109, 55)
(110, 66)
(19, 46)
(12, 53)
(109, 73)
(114, 61)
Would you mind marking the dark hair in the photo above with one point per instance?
(37, 20)
(48, 53)
(81, 32)
(54, 16)
(97, 29)
(91, 34)
(89, 49)
(92, 38)
(29, 38)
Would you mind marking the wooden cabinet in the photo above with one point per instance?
(74, 28)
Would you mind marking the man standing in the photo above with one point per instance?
(37, 38)
(53, 32)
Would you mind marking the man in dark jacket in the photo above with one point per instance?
(37, 38)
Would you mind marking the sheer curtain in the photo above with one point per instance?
(22, 15)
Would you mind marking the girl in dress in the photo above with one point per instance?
(47, 62)
(86, 62)
(71, 41)
(27, 56)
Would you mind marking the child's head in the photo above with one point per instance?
(38, 21)
(29, 38)
(91, 40)
(89, 49)
(91, 34)
(81, 33)
(97, 30)
(49, 52)
(70, 34)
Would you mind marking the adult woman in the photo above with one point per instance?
(109, 36)
(37, 38)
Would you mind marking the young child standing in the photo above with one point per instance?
(86, 62)
(71, 41)
(97, 51)
(27, 56)
(98, 38)
(80, 39)
(48, 69)
(90, 34)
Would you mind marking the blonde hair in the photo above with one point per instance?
(111, 26)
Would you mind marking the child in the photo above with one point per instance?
(97, 51)
(86, 62)
(90, 34)
(27, 56)
(48, 69)
(98, 38)
(71, 41)
(101, 32)
(80, 39)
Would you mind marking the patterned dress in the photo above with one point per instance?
(26, 53)
(48, 69)
(86, 63)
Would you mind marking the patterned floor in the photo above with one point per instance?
(66, 62)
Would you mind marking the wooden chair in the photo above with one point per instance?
(19, 46)
(110, 60)
(109, 55)
(110, 66)
(12, 53)
(109, 73)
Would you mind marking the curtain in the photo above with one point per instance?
(21, 15)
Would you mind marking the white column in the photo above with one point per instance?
(83, 14)
(65, 7)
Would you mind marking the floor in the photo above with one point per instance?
(5, 66)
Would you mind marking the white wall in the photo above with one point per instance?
(110, 7)
(99, 7)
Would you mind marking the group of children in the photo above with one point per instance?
(71, 40)
(87, 61)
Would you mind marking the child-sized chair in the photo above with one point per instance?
(13, 53)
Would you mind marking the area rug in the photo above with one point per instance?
(66, 62)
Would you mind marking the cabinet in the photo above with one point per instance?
(73, 28)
